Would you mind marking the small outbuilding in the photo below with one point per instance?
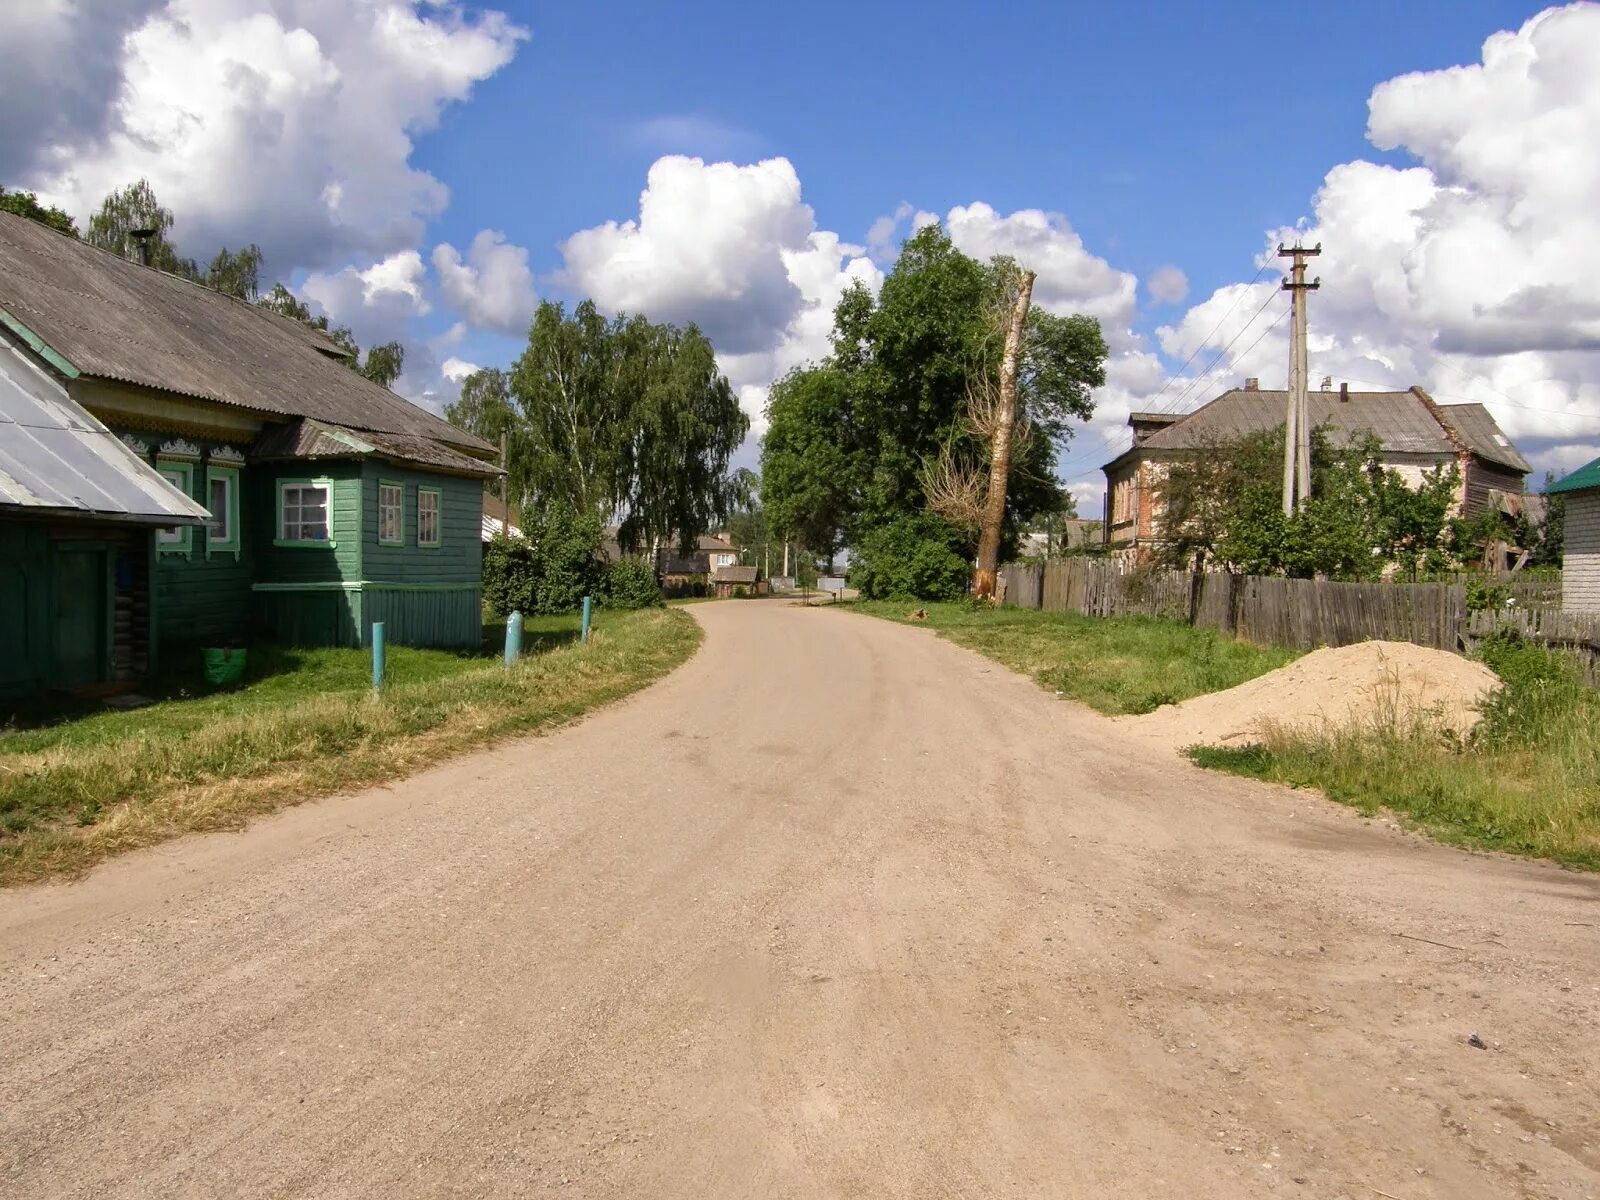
(1580, 575)
(735, 581)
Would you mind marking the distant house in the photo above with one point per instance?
(497, 518)
(297, 500)
(1074, 534)
(1580, 574)
(735, 581)
(711, 551)
(1416, 434)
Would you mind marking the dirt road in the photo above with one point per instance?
(836, 910)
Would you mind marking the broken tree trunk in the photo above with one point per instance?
(1005, 426)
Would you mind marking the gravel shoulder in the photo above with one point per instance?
(837, 909)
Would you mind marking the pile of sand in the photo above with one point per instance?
(1365, 684)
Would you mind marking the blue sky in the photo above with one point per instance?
(1167, 133)
(426, 171)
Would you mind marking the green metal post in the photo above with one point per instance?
(377, 656)
(588, 615)
(513, 638)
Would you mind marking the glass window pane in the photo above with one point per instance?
(221, 526)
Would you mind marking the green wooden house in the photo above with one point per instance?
(328, 502)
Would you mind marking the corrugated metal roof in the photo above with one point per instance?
(55, 457)
(115, 319)
(1585, 477)
(319, 439)
(1401, 421)
(1482, 433)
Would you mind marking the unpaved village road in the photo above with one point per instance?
(836, 910)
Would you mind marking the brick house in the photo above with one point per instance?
(1580, 575)
(1416, 433)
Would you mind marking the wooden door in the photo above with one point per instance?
(79, 629)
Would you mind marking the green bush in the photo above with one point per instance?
(550, 569)
(1540, 689)
(911, 558)
(629, 583)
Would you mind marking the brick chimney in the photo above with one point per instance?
(1252, 384)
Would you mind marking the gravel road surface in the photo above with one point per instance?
(837, 910)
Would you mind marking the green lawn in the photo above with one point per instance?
(77, 786)
(1118, 665)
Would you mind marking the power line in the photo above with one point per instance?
(1205, 341)
(1243, 329)
(1106, 437)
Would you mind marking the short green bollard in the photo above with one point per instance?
(588, 614)
(513, 638)
(377, 656)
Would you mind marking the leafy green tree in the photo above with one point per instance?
(384, 363)
(913, 557)
(1549, 537)
(136, 207)
(286, 304)
(850, 439)
(484, 407)
(626, 418)
(1222, 504)
(809, 468)
(26, 204)
(237, 274)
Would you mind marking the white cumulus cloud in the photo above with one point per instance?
(1167, 285)
(492, 287)
(735, 250)
(284, 123)
(707, 246)
(1475, 272)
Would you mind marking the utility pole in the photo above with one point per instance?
(1297, 434)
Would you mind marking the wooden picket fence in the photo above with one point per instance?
(1299, 613)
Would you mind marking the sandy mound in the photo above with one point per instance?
(1361, 684)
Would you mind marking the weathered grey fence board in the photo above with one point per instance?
(1301, 613)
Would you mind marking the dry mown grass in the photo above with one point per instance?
(70, 804)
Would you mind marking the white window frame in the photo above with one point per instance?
(396, 509)
(325, 486)
(437, 496)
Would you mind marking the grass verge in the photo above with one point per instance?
(1527, 781)
(77, 791)
(1118, 665)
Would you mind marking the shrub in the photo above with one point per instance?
(550, 569)
(1541, 690)
(510, 575)
(911, 558)
(629, 583)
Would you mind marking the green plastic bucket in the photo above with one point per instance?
(224, 666)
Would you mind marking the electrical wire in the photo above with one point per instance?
(1079, 458)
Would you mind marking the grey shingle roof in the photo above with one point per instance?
(55, 457)
(1402, 421)
(113, 319)
(734, 575)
